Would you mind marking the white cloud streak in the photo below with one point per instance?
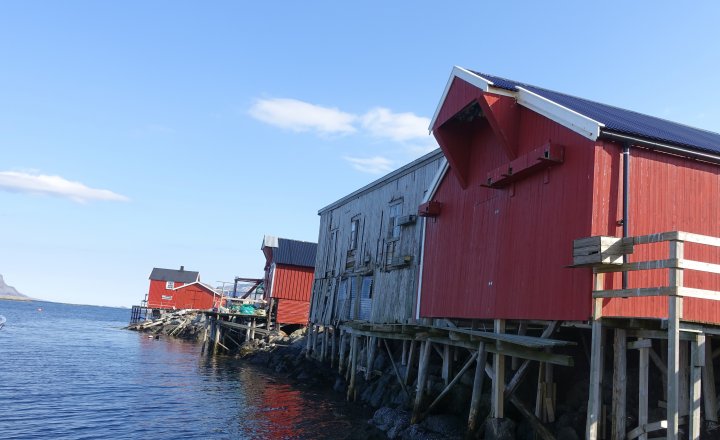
(34, 183)
(371, 165)
(295, 115)
(400, 127)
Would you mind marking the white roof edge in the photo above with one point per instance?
(435, 183)
(465, 75)
(564, 116)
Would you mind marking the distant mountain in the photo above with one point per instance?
(9, 292)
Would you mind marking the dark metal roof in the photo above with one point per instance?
(623, 121)
(179, 276)
(295, 253)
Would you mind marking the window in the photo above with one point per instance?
(354, 228)
(170, 285)
(394, 228)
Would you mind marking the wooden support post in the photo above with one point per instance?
(619, 385)
(708, 384)
(449, 386)
(549, 394)
(403, 359)
(498, 389)
(341, 359)
(675, 311)
(447, 364)
(371, 346)
(697, 360)
(411, 354)
(684, 384)
(643, 379)
(596, 365)
(308, 340)
(316, 334)
(333, 351)
(425, 350)
(352, 367)
(477, 388)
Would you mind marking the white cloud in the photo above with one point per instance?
(296, 115)
(372, 165)
(34, 183)
(400, 127)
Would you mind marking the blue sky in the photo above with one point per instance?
(157, 134)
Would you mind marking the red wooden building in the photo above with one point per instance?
(289, 269)
(530, 170)
(178, 289)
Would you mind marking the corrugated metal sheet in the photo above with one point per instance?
(292, 282)
(296, 253)
(292, 312)
(502, 253)
(623, 121)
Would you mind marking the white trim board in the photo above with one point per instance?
(564, 116)
(435, 183)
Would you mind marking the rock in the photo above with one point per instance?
(566, 433)
(445, 424)
(401, 422)
(340, 386)
(417, 432)
(384, 417)
(499, 429)
(379, 362)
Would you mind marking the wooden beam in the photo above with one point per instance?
(411, 355)
(481, 359)
(511, 350)
(449, 386)
(619, 386)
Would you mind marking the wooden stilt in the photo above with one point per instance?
(477, 388)
(308, 340)
(498, 390)
(371, 346)
(447, 364)
(341, 357)
(697, 359)
(675, 311)
(684, 384)
(522, 329)
(619, 386)
(333, 351)
(403, 359)
(596, 366)
(708, 384)
(411, 354)
(540, 394)
(425, 350)
(643, 379)
(352, 367)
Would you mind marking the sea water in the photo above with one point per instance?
(73, 372)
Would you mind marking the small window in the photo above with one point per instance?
(393, 227)
(170, 284)
(354, 227)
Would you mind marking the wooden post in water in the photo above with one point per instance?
(477, 388)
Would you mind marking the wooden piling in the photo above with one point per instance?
(411, 355)
(447, 364)
(341, 358)
(371, 349)
(596, 365)
(619, 386)
(352, 367)
(708, 384)
(643, 379)
(498, 390)
(477, 388)
(697, 360)
(675, 311)
(425, 350)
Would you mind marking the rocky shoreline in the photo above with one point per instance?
(381, 394)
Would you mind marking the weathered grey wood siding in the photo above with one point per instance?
(339, 292)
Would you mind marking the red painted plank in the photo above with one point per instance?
(293, 312)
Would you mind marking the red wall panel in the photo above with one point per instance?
(293, 312)
(190, 296)
(502, 253)
(292, 282)
(667, 193)
(157, 291)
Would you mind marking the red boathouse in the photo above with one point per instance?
(530, 170)
(165, 292)
(289, 269)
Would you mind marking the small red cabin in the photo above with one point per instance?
(289, 269)
(165, 292)
(530, 170)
